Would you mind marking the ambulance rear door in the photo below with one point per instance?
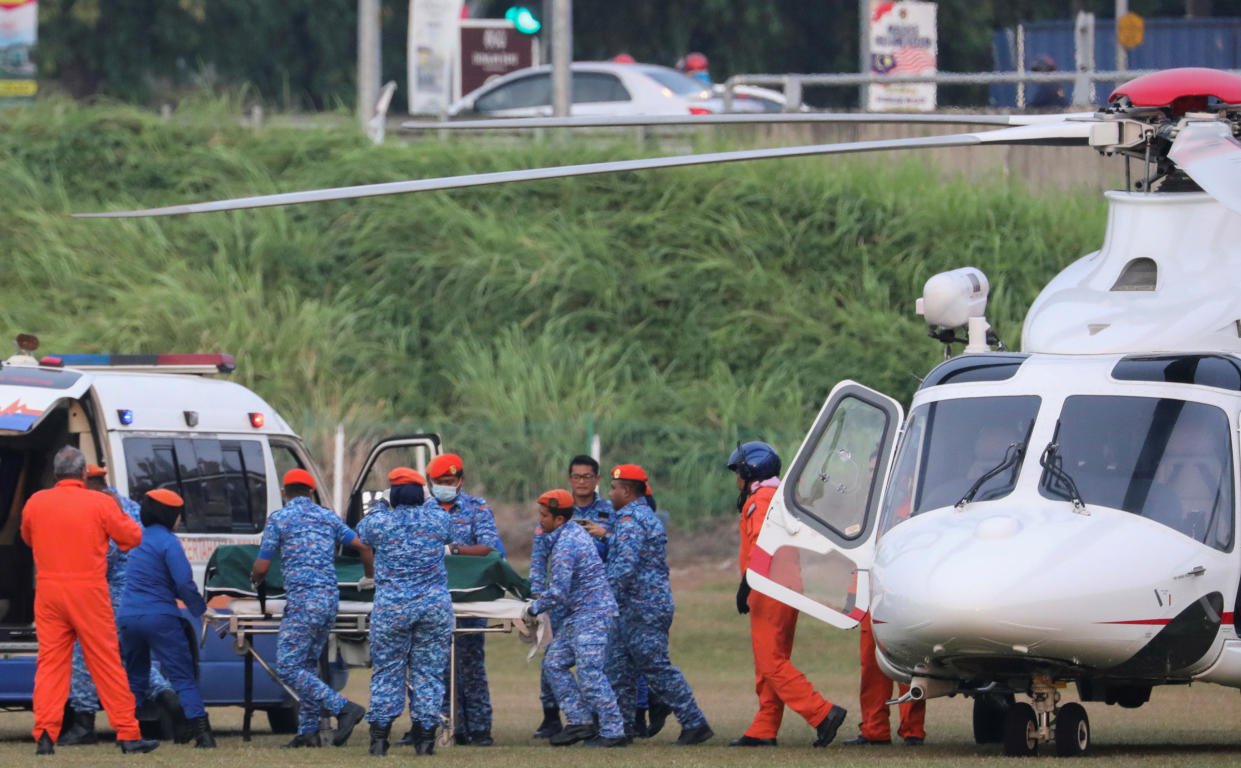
(413, 451)
(815, 549)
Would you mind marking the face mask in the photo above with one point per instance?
(445, 493)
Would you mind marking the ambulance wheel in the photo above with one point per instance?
(1021, 731)
(989, 712)
(1072, 731)
(282, 719)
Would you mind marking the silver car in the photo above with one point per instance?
(599, 88)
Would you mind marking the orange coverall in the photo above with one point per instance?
(68, 527)
(876, 689)
(772, 625)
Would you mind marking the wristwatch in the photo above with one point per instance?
(456, 549)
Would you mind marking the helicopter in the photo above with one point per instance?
(1061, 514)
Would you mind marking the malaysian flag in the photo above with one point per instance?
(906, 61)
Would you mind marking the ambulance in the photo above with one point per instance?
(160, 421)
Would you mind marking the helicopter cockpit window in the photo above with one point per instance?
(948, 445)
(1138, 275)
(833, 486)
(1167, 460)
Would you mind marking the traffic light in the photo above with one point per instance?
(523, 19)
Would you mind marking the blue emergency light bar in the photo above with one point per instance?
(189, 363)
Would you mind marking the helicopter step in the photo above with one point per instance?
(1044, 720)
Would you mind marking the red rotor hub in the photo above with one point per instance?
(1184, 89)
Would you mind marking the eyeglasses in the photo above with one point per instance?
(582, 478)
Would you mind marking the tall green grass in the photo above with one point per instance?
(676, 311)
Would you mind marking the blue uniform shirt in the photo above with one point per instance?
(473, 522)
(158, 574)
(118, 559)
(305, 534)
(598, 511)
(638, 559)
(577, 583)
(409, 547)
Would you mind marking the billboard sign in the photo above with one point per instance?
(491, 48)
(431, 51)
(19, 26)
(903, 41)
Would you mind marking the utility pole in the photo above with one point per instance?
(1122, 55)
(863, 15)
(562, 56)
(368, 59)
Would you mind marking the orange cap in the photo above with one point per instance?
(405, 476)
(166, 497)
(445, 464)
(648, 489)
(94, 470)
(299, 477)
(557, 499)
(629, 472)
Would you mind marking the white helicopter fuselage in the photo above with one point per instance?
(1131, 373)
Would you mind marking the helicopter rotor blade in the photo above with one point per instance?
(829, 118)
(1065, 132)
(1207, 152)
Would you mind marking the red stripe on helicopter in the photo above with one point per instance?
(760, 562)
(1225, 618)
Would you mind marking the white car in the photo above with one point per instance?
(599, 88)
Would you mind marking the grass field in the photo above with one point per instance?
(1181, 727)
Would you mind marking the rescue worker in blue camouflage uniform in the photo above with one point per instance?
(595, 515)
(637, 569)
(577, 589)
(473, 533)
(83, 698)
(411, 625)
(305, 536)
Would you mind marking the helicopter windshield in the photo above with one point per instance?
(948, 445)
(1167, 460)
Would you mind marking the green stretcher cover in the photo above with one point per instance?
(470, 579)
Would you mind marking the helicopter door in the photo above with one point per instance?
(815, 548)
(413, 451)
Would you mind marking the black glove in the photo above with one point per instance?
(743, 597)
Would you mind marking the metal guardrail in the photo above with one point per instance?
(794, 83)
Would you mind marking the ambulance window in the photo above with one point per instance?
(285, 459)
(223, 482)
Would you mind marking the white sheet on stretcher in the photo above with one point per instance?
(539, 636)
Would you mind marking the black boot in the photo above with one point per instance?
(170, 703)
(136, 746)
(572, 734)
(481, 739)
(379, 739)
(200, 731)
(640, 731)
(44, 745)
(350, 716)
(826, 729)
(657, 714)
(424, 740)
(550, 725)
(304, 740)
(82, 732)
(408, 739)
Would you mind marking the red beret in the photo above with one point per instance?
(405, 476)
(299, 477)
(557, 499)
(648, 489)
(445, 464)
(94, 470)
(166, 497)
(629, 472)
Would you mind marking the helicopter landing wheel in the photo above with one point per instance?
(1021, 731)
(989, 712)
(1072, 731)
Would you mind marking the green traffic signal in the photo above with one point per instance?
(523, 19)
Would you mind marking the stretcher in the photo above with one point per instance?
(248, 615)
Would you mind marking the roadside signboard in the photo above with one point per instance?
(903, 41)
(431, 51)
(491, 48)
(19, 25)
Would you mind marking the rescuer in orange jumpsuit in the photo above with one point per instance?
(68, 528)
(772, 623)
